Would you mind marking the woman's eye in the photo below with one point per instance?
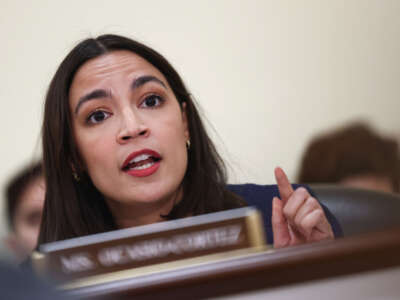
(98, 116)
(152, 101)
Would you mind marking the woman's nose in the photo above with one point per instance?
(131, 127)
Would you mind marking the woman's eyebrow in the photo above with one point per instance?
(96, 94)
(142, 80)
(137, 83)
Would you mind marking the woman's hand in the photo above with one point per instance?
(297, 217)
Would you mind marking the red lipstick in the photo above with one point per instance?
(142, 163)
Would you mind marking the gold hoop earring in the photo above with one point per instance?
(188, 144)
(76, 176)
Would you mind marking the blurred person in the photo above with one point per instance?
(25, 194)
(354, 156)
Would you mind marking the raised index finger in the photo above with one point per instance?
(284, 186)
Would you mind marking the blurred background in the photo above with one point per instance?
(268, 75)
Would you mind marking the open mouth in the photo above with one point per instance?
(141, 162)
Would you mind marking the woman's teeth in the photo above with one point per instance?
(145, 166)
(139, 158)
(142, 161)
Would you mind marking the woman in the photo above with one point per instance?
(124, 145)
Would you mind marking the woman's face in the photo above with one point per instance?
(129, 129)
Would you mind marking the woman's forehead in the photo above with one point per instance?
(114, 63)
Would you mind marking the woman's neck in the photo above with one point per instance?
(130, 215)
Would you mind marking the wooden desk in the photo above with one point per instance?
(262, 272)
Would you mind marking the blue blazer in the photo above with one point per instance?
(261, 197)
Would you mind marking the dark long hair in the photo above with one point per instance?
(350, 151)
(75, 208)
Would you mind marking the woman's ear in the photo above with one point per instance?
(75, 168)
(75, 162)
(185, 122)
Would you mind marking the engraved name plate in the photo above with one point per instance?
(137, 247)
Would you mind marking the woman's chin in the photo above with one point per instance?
(150, 198)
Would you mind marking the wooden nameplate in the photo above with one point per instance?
(114, 255)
